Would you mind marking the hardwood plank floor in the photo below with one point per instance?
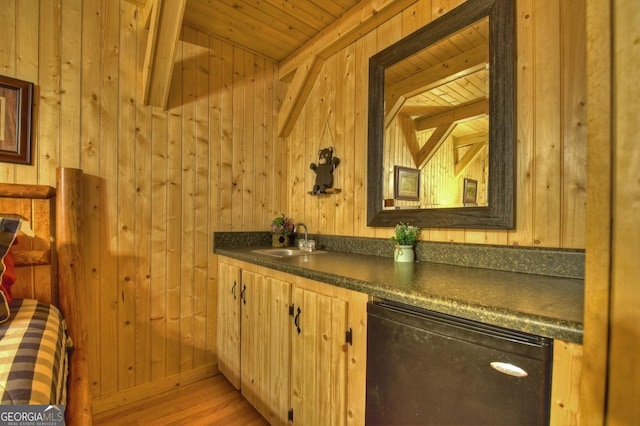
(213, 401)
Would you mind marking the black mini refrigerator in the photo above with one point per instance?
(426, 368)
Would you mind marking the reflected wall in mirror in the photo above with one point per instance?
(436, 119)
(429, 102)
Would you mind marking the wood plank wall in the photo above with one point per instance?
(157, 183)
(551, 134)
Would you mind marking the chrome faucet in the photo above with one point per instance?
(306, 244)
(306, 230)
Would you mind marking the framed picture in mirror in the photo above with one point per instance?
(470, 191)
(406, 183)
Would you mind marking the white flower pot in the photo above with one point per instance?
(403, 254)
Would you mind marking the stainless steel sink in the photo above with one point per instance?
(287, 252)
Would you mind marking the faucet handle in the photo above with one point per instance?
(306, 245)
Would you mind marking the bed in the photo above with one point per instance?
(43, 338)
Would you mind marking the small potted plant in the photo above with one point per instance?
(281, 229)
(405, 236)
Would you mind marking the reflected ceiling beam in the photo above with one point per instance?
(465, 112)
(477, 142)
(455, 68)
(164, 32)
(443, 124)
(355, 23)
(422, 157)
(407, 125)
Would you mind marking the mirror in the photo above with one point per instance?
(436, 123)
(442, 122)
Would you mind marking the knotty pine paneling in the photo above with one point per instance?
(157, 183)
(551, 134)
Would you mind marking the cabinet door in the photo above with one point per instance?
(266, 345)
(318, 359)
(228, 325)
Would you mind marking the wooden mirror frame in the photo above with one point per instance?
(500, 212)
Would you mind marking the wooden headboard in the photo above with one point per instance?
(49, 268)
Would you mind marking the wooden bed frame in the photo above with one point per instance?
(49, 268)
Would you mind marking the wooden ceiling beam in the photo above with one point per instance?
(164, 33)
(297, 94)
(355, 23)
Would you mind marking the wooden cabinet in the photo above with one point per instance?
(300, 345)
(319, 359)
(228, 324)
(254, 343)
(266, 345)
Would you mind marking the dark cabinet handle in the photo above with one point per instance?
(233, 290)
(244, 300)
(296, 320)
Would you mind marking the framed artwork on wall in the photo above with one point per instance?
(406, 183)
(16, 97)
(470, 191)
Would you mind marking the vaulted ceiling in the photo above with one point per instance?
(297, 34)
(274, 29)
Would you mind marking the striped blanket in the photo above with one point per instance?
(33, 355)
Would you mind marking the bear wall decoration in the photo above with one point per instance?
(327, 163)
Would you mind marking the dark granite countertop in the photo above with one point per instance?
(446, 278)
(543, 305)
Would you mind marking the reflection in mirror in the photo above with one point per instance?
(430, 95)
(436, 121)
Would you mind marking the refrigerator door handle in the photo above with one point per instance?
(509, 369)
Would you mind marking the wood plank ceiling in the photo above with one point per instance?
(272, 28)
(299, 35)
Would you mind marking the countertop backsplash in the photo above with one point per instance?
(567, 263)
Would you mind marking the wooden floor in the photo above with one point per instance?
(209, 402)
